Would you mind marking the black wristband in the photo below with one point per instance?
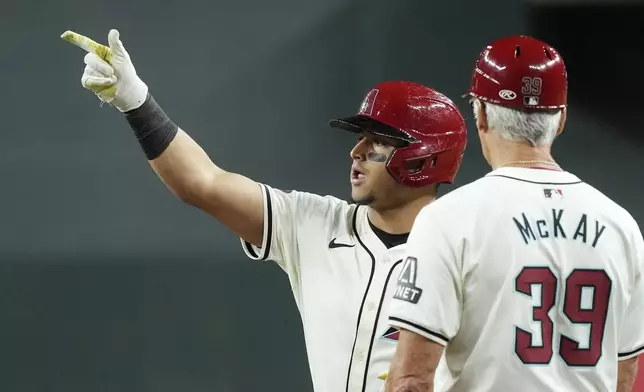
(152, 127)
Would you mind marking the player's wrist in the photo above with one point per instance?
(132, 97)
(152, 127)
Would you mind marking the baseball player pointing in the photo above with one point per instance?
(342, 259)
(528, 279)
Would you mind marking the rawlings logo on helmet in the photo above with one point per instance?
(520, 72)
(508, 95)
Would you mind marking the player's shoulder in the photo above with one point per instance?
(308, 203)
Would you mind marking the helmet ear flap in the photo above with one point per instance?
(416, 165)
(413, 166)
(426, 123)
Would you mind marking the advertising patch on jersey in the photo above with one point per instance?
(391, 334)
(406, 289)
(553, 193)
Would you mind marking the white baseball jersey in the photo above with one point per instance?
(531, 279)
(342, 276)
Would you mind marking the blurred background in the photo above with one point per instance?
(109, 283)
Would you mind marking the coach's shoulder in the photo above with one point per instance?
(459, 204)
(464, 192)
(611, 208)
(455, 202)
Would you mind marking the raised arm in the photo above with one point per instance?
(178, 160)
(235, 200)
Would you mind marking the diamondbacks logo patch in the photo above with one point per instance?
(406, 289)
(391, 334)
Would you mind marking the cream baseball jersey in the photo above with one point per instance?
(531, 278)
(342, 276)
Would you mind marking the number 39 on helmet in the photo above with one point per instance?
(520, 72)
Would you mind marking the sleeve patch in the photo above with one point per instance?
(406, 289)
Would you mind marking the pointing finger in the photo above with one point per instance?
(88, 45)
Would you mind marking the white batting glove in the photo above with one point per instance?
(109, 72)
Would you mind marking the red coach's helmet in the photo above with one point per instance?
(520, 72)
(428, 125)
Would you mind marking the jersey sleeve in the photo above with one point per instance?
(284, 214)
(427, 299)
(632, 333)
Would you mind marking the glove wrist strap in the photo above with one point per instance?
(152, 127)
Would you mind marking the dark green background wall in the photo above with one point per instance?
(108, 283)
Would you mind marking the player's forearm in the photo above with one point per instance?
(176, 158)
(185, 168)
(626, 374)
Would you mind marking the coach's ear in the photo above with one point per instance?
(562, 120)
(480, 115)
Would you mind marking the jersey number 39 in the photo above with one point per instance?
(586, 295)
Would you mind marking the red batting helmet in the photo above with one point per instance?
(520, 72)
(428, 125)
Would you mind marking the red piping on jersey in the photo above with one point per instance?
(542, 168)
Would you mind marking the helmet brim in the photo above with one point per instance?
(364, 124)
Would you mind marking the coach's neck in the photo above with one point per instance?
(503, 152)
(398, 219)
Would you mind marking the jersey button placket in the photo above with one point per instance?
(365, 330)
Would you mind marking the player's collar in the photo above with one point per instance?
(365, 233)
(535, 175)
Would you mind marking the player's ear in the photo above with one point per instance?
(562, 120)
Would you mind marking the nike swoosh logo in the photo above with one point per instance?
(334, 244)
